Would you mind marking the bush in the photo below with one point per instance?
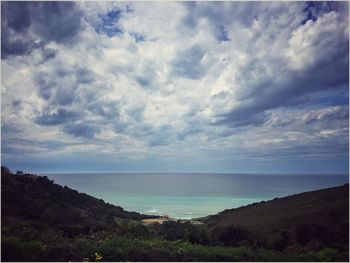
(170, 230)
(282, 242)
(13, 249)
(230, 235)
(197, 234)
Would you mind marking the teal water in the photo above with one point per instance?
(182, 195)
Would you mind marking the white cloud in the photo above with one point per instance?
(172, 85)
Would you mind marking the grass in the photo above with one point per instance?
(115, 248)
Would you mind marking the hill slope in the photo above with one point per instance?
(312, 219)
(38, 200)
(326, 206)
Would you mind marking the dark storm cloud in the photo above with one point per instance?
(60, 116)
(29, 25)
(81, 130)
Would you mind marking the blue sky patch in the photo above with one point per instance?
(109, 23)
(310, 10)
(314, 9)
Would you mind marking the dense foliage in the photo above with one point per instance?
(42, 221)
(101, 247)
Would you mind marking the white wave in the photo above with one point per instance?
(185, 217)
(153, 211)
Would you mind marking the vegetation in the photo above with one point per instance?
(42, 221)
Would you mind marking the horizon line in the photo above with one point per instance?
(195, 172)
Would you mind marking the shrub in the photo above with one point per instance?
(14, 249)
(170, 230)
(282, 242)
(197, 234)
(229, 235)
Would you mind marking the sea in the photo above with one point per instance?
(191, 195)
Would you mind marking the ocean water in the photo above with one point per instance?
(190, 195)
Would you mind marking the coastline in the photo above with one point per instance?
(162, 219)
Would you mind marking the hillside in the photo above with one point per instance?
(39, 201)
(326, 206)
(321, 215)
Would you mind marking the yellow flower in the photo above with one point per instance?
(85, 259)
(98, 256)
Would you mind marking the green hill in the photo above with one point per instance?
(36, 200)
(317, 218)
(324, 207)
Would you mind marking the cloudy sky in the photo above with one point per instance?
(201, 87)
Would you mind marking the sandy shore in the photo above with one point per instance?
(161, 220)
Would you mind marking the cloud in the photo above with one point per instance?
(315, 63)
(60, 116)
(189, 63)
(108, 111)
(327, 114)
(48, 53)
(55, 91)
(26, 26)
(81, 130)
(84, 75)
(193, 83)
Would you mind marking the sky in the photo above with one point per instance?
(240, 87)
